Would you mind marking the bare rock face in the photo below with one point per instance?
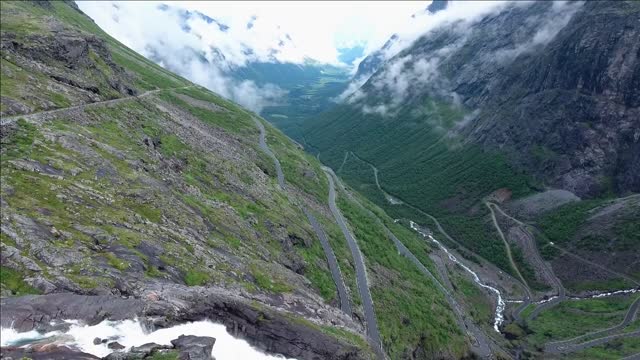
(570, 113)
(115, 345)
(50, 352)
(192, 347)
(173, 304)
(70, 61)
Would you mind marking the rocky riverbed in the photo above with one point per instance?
(161, 315)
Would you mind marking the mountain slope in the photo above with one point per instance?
(530, 97)
(511, 141)
(150, 188)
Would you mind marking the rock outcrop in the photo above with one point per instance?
(194, 347)
(265, 329)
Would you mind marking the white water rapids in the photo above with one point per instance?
(499, 316)
(131, 333)
(593, 296)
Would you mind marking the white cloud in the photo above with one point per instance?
(404, 75)
(558, 18)
(191, 54)
(465, 12)
(317, 29)
(423, 22)
(279, 31)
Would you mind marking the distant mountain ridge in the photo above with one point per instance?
(533, 96)
(372, 62)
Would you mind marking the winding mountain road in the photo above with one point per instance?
(49, 114)
(479, 341)
(575, 256)
(265, 148)
(632, 357)
(361, 272)
(601, 336)
(334, 268)
(336, 275)
(508, 249)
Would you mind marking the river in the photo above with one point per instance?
(499, 315)
(132, 333)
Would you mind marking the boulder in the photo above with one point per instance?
(114, 345)
(149, 348)
(51, 352)
(192, 347)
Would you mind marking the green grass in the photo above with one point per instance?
(269, 282)
(577, 317)
(14, 281)
(196, 278)
(400, 292)
(599, 285)
(480, 308)
(150, 213)
(117, 263)
(612, 350)
(234, 122)
(320, 277)
(19, 144)
(165, 355)
(528, 310)
(561, 224)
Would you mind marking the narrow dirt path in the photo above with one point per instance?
(508, 249)
(43, 115)
(632, 357)
(601, 336)
(586, 261)
(361, 272)
(344, 161)
(578, 257)
(334, 268)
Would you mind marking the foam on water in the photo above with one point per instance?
(499, 316)
(131, 333)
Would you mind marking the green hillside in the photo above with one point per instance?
(135, 176)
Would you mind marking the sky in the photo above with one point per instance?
(317, 29)
(230, 34)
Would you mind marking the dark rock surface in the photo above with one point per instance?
(578, 99)
(52, 352)
(173, 304)
(148, 348)
(192, 347)
(114, 345)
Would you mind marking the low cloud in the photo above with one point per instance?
(559, 16)
(193, 45)
(406, 75)
(460, 12)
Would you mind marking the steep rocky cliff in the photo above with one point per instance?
(575, 102)
(529, 97)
